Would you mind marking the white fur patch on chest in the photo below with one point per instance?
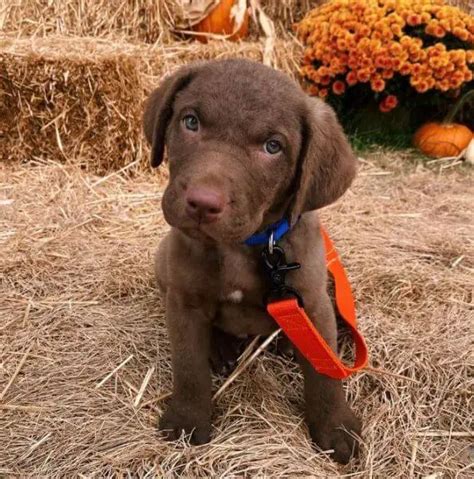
(236, 296)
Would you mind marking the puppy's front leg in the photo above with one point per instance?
(330, 420)
(189, 409)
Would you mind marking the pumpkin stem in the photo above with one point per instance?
(456, 107)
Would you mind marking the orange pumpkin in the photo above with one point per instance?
(442, 139)
(221, 22)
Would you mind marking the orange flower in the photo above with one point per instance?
(377, 84)
(430, 28)
(396, 63)
(405, 69)
(458, 56)
(378, 35)
(413, 20)
(353, 63)
(415, 69)
(461, 33)
(338, 87)
(439, 32)
(422, 86)
(450, 67)
(380, 61)
(391, 101)
(324, 71)
(443, 84)
(325, 80)
(366, 62)
(395, 49)
(425, 17)
(363, 75)
(364, 31)
(440, 73)
(406, 40)
(446, 24)
(323, 93)
(415, 56)
(379, 25)
(364, 44)
(455, 83)
(312, 90)
(457, 76)
(342, 44)
(388, 103)
(435, 62)
(375, 44)
(397, 30)
(351, 78)
(423, 55)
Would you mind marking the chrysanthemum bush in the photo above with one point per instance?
(392, 52)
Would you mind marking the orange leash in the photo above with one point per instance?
(294, 321)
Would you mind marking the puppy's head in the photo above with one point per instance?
(246, 146)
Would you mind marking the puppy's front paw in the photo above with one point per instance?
(177, 420)
(336, 429)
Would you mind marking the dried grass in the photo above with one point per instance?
(149, 21)
(80, 99)
(82, 108)
(81, 327)
(137, 21)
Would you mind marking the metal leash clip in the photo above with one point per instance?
(276, 268)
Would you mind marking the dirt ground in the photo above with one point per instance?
(84, 357)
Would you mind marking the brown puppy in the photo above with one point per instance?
(246, 147)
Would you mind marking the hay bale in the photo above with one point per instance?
(69, 106)
(141, 20)
(80, 99)
(285, 56)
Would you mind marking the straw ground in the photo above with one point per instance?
(84, 356)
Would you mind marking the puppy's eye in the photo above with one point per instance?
(191, 122)
(272, 147)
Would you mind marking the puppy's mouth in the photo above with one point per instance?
(199, 232)
(217, 232)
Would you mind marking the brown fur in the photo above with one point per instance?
(240, 105)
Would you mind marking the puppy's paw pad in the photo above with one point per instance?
(174, 424)
(340, 433)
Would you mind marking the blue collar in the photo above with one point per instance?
(279, 229)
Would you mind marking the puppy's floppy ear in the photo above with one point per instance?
(159, 110)
(327, 165)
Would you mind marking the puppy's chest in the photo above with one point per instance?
(240, 279)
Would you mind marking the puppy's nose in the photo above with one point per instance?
(203, 204)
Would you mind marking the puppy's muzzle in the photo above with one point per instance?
(204, 205)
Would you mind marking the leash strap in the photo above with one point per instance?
(294, 321)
